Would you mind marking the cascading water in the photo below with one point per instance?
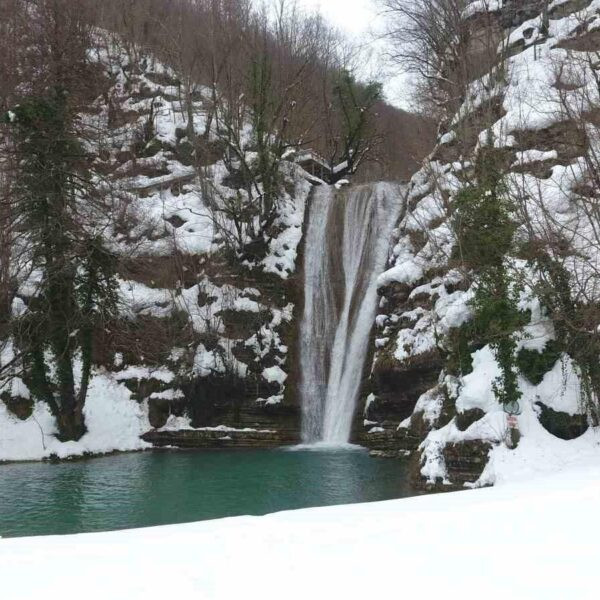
(346, 248)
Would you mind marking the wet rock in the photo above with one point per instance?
(396, 442)
(220, 438)
(399, 385)
(158, 412)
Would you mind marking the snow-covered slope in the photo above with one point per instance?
(535, 539)
(202, 340)
(536, 109)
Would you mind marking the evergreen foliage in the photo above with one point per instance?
(535, 364)
(485, 228)
(77, 274)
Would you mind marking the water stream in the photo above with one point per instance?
(346, 247)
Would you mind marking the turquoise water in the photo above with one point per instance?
(158, 488)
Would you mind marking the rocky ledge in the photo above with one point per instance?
(220, 438)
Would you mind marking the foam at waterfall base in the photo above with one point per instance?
(327, 447)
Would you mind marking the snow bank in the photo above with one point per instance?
(536, 540)
(538, 451)
(113, 419)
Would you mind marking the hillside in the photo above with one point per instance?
(194, 329)
(203, 348)
(524, 138)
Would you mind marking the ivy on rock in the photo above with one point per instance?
(484, 226)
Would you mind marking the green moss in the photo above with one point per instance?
(459, 360)
(561, 424)
(534, 364)
(152, 148)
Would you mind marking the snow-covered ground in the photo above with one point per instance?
(528, 540)
(114, 422)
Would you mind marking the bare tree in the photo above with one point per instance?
(434, 40)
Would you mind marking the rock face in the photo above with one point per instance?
(465, 461)
(427, 391)
(206, 334)
(215, 333)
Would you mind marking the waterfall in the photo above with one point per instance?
(346, 248)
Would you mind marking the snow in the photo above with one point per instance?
(159, 373)
(430, 404)
(405, 272)
(533, 540)
(271, 400)
(207, 362)
(447, 138)
(538, 451)
(376, 430)
(114, 422)
(246, 305)
(184, 423)
(481, 6)
(274, 374)
(531, 156)
(168, 395)
(477, 389)
(560, 388)
(283, 249)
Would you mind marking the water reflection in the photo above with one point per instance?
(144, 489)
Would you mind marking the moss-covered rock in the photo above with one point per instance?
(465, 419)
(21, 407)
(561, 424)
(152, 148)
(534, 364)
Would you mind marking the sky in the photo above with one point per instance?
(360, 19)
(352, 16)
